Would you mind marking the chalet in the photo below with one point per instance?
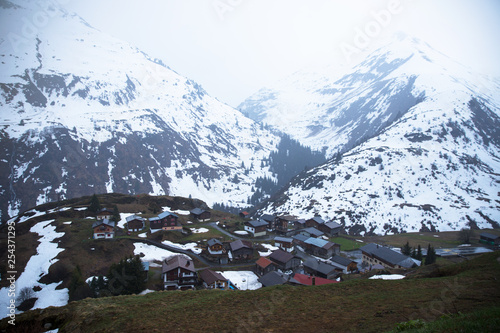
(215, 246)
(135, 223)
(213, 280)
(299, 239)
(284, 243)
(299, 224)
(104, 214)
(331, 229)
(264, 266)
(315, 222)
(201, 214)
(284, 260)
(165, 221)
(244, 214)
(103, 229)
(308, 280)
(241, 250)
(321, 248)
(343, 264)
(487, 238)
(270, 219)
(178, 272)
(311, 232)
(273, 278)
(320, 269)
(257, 228)
(375, 254)
(282, 223)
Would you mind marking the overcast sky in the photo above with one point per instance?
(235, 47)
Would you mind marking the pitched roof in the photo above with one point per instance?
(313, 231)
(283, 239)
(332, 225)
(263, 262)
(239, 244)
(197, 211)
(319, 266)
(256, 224)
(300, 237)
(390, 256)
(105, 222)
(369, 248)
(105, 210)
(341, 260)
(272, 279)
(267, 217)
(318, 242)
(165, 214)
(318, 219)
(281, 256)
(289, 218)
(176, 262)
(488, 235)
(308, 280)
(213, 241)
(134, 217)
(209, 276)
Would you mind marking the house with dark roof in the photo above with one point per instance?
(376, 254)
(299, 240)
(201, 214)
(315, 222)
(103, 229)
(213, 280)
(311, 232)
(283, 222)
(179, 273)
(215, 246)
(284, 243)
(321, 248)
(343, 264)
(244, 214)
(104, 214)
(273, 278)
(135, 223)
(488, 238)
(241, 250)
(257, 228)
(308, 280)
(264, 266)
(319, 268)
(331, 229)
(270, 219)
(165, 221)
(284, 260)
(299, 224)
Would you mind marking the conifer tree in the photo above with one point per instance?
(406, 249)
(419, 253)
(116, 214)
(430, 258)
(94, 205)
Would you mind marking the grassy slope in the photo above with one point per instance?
(359, 305)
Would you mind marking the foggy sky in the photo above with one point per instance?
(235, 47)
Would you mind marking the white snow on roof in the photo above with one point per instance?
(189, 246)
(244, 280)
(388, 277)
(152, 252)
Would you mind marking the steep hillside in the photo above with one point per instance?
(83, 112)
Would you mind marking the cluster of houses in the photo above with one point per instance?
(288, 225)
(104, 227)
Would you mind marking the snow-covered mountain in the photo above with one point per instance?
(420, 135)
(83, 113)
(337, 107)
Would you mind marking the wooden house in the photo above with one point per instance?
(201, 214)
(376, 254)
(257, 228)
(264, 266)
(315, 222)
(241, 250)
(179, 273)
(490, 239)
(103, 229)
(331, 229)
(104, 214)
(165, 221)
(299, 224)
(311, 232)
(244, 214)
(270, 219)
(299, 239)
(215, 246)
(213, 280)
(321, 248)
(135, 223)
(308, 280)
(283, 222)
(284, 243)
(320, 269)
(284, 260)
(273, 278)
(344, 265)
